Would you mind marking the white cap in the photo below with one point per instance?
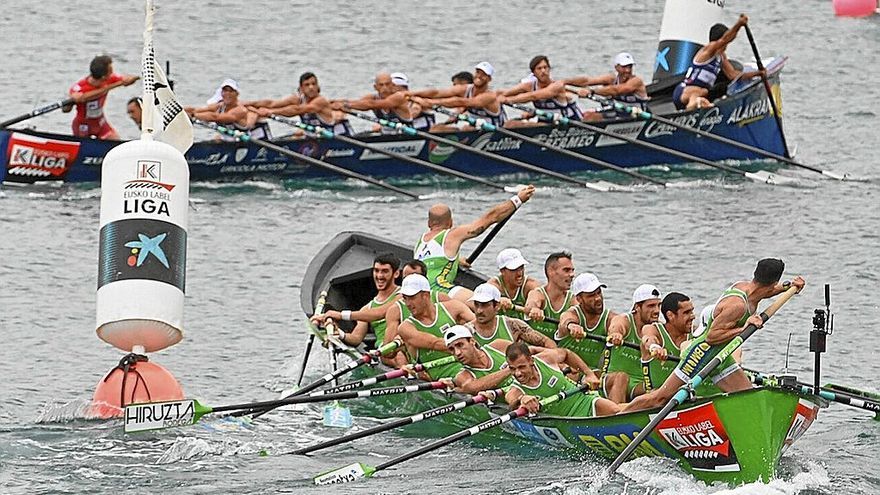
(529, 78)
(413, 284)
(511, 259)
(624, 58)
(485, 293)
(217, 97)
(399, 79)
(485, 67)
(586, 282)
(645, 292)
(456, 332)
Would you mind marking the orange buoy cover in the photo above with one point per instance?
(143, 381)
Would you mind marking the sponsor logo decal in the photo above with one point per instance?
(332, 153)
(804, 415)
(34, 156)
(142, 249)
(610, 440)
(408, 148)
(544, 435)
(629, 129)
(147, 193)
(749, 112)
(485, 142)
(439, 153)
(143, 417)
(573, 137)
(211, 160)
(699, 436)
(240, 154)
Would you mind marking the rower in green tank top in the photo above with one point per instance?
(539, 376)
(583, 327)
(627, 328)
(552, 299)
(734, 311)
(439, 248)
(488, 325)
(484, 367)
(422, 331)
(512, 282)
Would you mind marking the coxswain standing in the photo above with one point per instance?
(89, 95)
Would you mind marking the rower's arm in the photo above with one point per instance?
(473, 385)
(713, 47)
(512, 397)
(372, 314)
(534, 306)
(633, 85)
(390, 103)
(458, 235)
(459, 311)
(519, 88)
(724, 327)
(229, 117)
(97, 93)
(547, 93)
(561, 356)
(392, 323)
(521, 330)
(440, 93)
(483, 100)
(618, 327)
(590, 81)
(356, 336)
(650, 336)
(569, 316)
(420, 340)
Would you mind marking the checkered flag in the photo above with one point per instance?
(163, 116)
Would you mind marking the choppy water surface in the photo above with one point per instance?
(249, 243)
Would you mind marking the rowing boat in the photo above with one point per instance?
(744, 115)
(731, 438)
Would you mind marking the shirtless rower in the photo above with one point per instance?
(734, 311)
(308, 104)
(422, 332)
(228, 111)
(90, 93)
(553, 298)
(480, 101)
(512, 281)
(628, 328)
(488, 325)
(621, 85)
(440, 246)
(543, 92)
(484, 366)
(708, 62)
(539, 376)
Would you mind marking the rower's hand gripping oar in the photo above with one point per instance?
(245, 137)
(395, 423)
(160, 415)
(37, 111)
(327, 134)
(398, 373)
(684, 392)
(359, 470)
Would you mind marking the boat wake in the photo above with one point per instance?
(187, 448)
(65, 412)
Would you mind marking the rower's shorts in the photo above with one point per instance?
(676, 96)
(698, 355)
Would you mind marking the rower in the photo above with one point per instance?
(660, 341)
(489, 326)
(480, 101)
(708, 62)
(423, 330)
(539, 376)
(484, 366)
(440, 246)
(512, 281)
(627, 328)
(588, 317)
(553, 298)
(734, 311)
(90, 93)
(134, 109)
(388, 102)
(423, 118)
(621, 85)
(544, 93)
(312, 108)
(462, 78)
(705, 316)
(224, 108)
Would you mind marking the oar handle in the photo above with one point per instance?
(486, 240)
(767, 88)
(37, 111)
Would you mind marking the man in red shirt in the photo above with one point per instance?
(89, 94)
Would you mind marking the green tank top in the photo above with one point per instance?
(501, 332)
(655, 371)
(404, 311)
(591, 351)
(518, 299)
(379, 326)
(497, 362)
(442, 321)
(441, 270)
(552, 381)
(627, 359)
(549, 329)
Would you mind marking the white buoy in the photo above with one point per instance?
(683, 31)
(142, 259)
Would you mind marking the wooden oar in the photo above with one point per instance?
(399, 373)
(37, 111)
(394, 423)
(327, 134)
(366, 358)
(245, 137)
(485, 126)
(359, 470)
(411, 131)
(767, 88)
(683, 392)
(160, 415)
(645, 115)
(556, 119)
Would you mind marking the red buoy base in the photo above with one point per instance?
(134, 380)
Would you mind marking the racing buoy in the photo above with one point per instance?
(855, 8)
(134, 380)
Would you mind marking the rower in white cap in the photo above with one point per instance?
(480, 101)
(628, 328)
(512, 281)
(225, 109)
(621, 85)
(589, 316)
(489, 326)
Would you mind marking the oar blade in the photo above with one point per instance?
(345, 474)
(160, 415)
(765, 177)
